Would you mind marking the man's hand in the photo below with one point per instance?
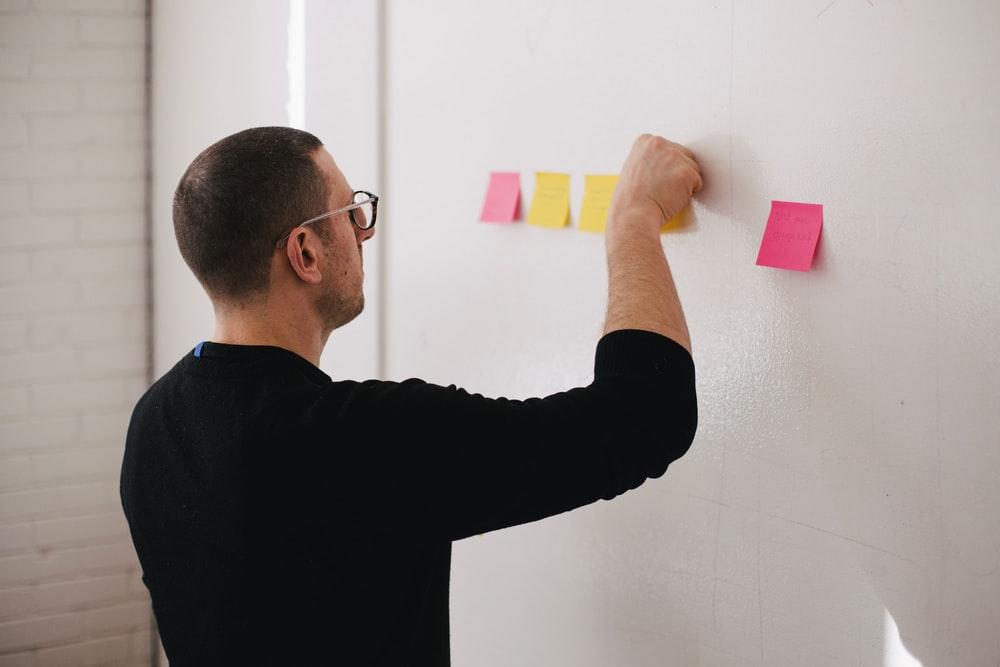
(657, 181)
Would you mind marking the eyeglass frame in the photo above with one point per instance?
(372, 198)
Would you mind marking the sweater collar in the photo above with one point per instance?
(255, 354)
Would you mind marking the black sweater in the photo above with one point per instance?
(284, 518)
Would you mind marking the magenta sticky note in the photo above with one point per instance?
(791, 235)
(503, 197)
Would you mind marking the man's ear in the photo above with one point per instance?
(303, 250)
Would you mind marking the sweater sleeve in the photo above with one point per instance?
(440, 460)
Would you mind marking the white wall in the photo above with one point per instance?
(838, 505)
(847, 454)
(219, 68)
(341, 101)
(73, 337)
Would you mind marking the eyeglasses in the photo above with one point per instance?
(362, 214)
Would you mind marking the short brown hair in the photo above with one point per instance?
(237, 198)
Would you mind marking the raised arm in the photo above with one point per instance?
(428, 461)
(656, 182)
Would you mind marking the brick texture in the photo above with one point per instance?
(73, 328)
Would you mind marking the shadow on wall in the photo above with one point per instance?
(815, 490)
(870, 463)
(762, 572)
(908, 462)
(814, 606)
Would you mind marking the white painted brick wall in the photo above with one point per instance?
(73, 329)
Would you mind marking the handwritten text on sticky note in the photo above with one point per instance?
(597, 191)
(503, 197)
(791, 235)
(550, 203)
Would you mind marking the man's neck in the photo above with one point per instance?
(259, 328)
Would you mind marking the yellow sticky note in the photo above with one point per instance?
(674, 223)
(550, 203)
(597, 191)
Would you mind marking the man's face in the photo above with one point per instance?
(342, 296)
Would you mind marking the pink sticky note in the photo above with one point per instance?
(791, 235)
(503, 197)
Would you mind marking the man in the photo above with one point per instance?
(283, 518)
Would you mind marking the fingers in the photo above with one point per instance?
(691, 162)
(699, 185)
(651, 144)
(657, 138)
(682, 149)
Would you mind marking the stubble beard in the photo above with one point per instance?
(338, 309)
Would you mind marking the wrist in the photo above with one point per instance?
(636, 218)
